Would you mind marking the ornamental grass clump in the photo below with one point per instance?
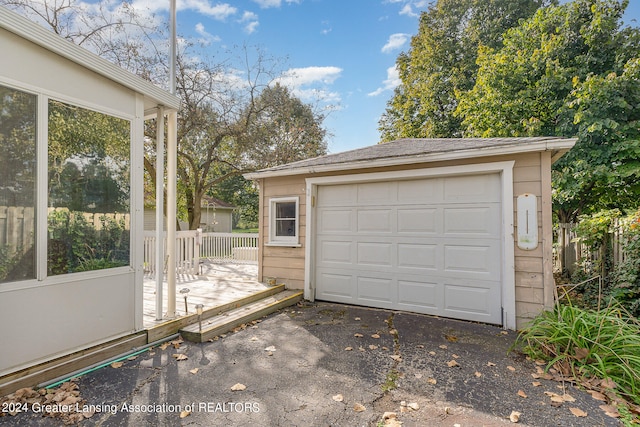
(589, 345)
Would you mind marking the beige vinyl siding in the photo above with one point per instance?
(283, 263)
(533, 277)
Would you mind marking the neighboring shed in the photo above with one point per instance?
(216, 215)
(423, 225)
(71, 198)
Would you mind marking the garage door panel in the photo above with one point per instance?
(418, 220)
(417, 256)
(375, 289)
(376, 193)
(423, 296)
(472, 302)
(375, 220)
(335, 285)
(477, 261)
(472, 220)
(336, 252)
(336, 221)
(476, 188)
(419, 191)
(376, 254)
(337, 195)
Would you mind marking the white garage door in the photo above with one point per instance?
(429, 245)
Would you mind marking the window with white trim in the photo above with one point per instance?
(283, 221)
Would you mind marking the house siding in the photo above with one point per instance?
(533, 278)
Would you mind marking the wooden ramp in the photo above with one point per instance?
(228, 320)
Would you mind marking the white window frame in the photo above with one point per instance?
(289, 241)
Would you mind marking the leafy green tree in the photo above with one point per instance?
(243, 194)
(441, 63)
(569, 70)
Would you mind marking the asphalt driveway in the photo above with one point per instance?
(327, 365)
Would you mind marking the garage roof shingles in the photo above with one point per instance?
(419, 149)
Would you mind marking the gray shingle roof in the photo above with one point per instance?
(418, 149)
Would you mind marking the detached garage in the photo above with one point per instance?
(458, 228)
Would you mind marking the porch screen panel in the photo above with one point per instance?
(89, 190)
(17, 184)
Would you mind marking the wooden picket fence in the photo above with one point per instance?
(194, 245)
(568, 250)
(17, 224)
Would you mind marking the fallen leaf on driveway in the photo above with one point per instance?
(568, 398)
(373, 347)
(610, 410)
(117, 365)
(432, 353)
(338, 398)
(253, 339)
(194, 371)
(184, 414)
(536, 383)
(491, 364)
(515, 416)
(376, 336)
(455, 356)
(522, 394)
(388, 415)
(396, 357)
(356, 318)
(348, 348)
(164, 345)
(180, 356)
(477, 374)
(432, 381)
(238, 387)
(393, 332)
(358, 335)
(511, 368)
(597, 395)
(452, 363)
(444, 347)
(271, 348)
(451, 338)
(418, 375)
(359, 408)
(578, 412)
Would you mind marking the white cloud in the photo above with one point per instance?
(396, 41)
(265, 4)
(295, 77)
(251, 22)
(392, 81)
(206, 38)
(409, 6)
(220, 11)
(311, 83)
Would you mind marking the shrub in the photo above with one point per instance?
(589, 344)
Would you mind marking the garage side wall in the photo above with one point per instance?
(533, 269)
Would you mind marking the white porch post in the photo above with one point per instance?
(159, 211)
(172, 160)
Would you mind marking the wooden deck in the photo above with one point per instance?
(219, 284)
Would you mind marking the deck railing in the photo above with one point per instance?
(193, 245)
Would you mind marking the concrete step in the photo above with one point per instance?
(226, 321)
